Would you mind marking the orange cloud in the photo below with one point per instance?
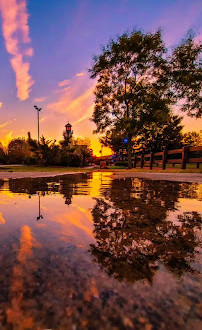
(80, 74)
(7, 123)
(76, 104)
(16, 34)
(6, 139)
(42, 119)
(4, 124)
(64, 83)
(1, 104)
(74, 101)
(40, 99)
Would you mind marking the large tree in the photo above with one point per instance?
(137, 83)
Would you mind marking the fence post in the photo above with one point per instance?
(151, 160)
(184, 157)
(135, 161)
(142, 161)
(164, 159)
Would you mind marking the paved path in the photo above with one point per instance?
(180, 177)
(20, 175)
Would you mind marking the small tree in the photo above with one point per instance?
(18, 151)
(137, 83)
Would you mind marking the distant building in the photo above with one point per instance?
(68, 130)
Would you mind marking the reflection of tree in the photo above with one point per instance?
(1, 183)
(132, 233)
(65, 185)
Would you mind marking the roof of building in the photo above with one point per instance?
(68, 125)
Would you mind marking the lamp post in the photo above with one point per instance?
(38, 110)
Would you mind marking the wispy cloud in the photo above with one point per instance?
(42, 119)
(64, 83)
(1, 104)
(74, 102)
(40, 99)
(16, 34)
(4, 124)
(80, 74)
(7, 123)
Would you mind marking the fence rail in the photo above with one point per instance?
(184, 159)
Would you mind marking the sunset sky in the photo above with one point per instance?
(46, 48)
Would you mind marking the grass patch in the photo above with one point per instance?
(27, 168)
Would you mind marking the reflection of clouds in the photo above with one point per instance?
(2, 220)
(22, 276)
(75, 223)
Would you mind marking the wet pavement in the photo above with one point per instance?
(88, 251)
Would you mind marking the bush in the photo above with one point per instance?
(71, 159)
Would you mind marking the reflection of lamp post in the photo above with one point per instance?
(40, 216)
(38, 110)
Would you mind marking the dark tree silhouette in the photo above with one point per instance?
(137, 83)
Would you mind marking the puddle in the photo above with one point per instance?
(89, 252)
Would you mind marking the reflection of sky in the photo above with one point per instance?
(54, 51)
(72, 221)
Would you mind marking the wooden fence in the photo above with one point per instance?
(179, 156)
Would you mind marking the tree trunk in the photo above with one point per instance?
(129, 151)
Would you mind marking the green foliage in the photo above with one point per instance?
(19, 151)
(48, 152)
(192, 139)
(137, 83)
(157, 137)
(187, 75)
(70, 159)
(113, 139)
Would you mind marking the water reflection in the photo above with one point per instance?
(142, 235)
(133, 235)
